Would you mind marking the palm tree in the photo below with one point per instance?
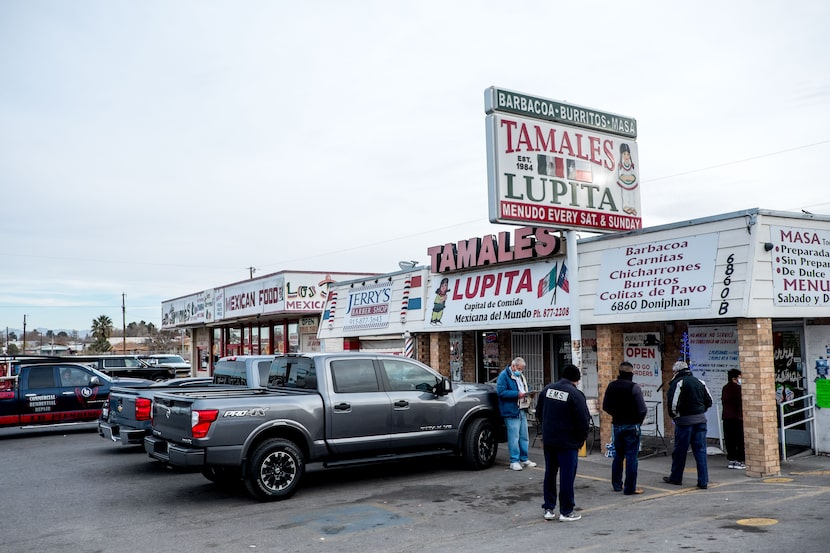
(101, 331)
(102, 327)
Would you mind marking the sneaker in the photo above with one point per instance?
(737, 465)
(731, 464)
(637, 491)
(549, 514)
(528, 463)
(569, 517)
(668, 480)
(515, 466)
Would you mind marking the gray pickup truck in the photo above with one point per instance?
(331, 408)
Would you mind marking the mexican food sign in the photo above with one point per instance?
(556, 164)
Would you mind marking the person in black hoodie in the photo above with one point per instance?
(624, 401)
(733, 420)
(563, 413)
(688, 399)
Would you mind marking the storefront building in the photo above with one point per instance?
(747, 290)
(275, 313)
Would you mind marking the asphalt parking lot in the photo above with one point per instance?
(73, 491)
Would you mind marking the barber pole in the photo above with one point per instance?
(408, 347)
(331, 309)
(405, 301)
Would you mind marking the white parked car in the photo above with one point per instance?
(169, 360)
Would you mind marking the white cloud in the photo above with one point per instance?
(157, 149)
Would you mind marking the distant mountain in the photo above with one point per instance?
(19, 331)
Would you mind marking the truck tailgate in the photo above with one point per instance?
(172, 410)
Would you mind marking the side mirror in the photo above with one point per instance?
(94, 381)
(443, 387)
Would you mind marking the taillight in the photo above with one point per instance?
(200, 421)
(143, 409)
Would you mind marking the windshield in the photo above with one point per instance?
(168, 359)
(104, 377)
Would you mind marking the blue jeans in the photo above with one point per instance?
(517, 438)
(564, 461)
(626, 447)
(684, 435)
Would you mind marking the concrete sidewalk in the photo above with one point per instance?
(736, 512)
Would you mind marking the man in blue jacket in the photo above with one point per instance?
(514, 401)
(687, 402)
(563, 413)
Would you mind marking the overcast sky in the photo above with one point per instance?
(160, 148)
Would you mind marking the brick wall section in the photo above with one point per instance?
(439, 352)
(758, 396)
(422, 351)
(609, 356)
(505, 348)
(468, 372)
(433, 349)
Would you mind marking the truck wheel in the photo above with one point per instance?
(275, 470)
(159, 377)
(480, 445)
(224, 477)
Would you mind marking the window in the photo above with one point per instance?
(230, 372)
(354, 375)
(73, 376)
(293, 372)
(263, 367)
(42, 377)
(404, 376)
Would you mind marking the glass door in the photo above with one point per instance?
(790, 383)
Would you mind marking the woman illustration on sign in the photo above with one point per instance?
(627, 180)
(440, 301)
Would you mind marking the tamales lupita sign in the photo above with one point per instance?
(561, 165)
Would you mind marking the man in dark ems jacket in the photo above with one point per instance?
(564, 416)
(624, 402)
(688, 399)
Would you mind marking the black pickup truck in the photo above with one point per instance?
(331, 408)
(131, 366)
(50, 391)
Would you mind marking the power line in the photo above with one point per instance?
(736, 162)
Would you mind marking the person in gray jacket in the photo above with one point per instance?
(687, 402)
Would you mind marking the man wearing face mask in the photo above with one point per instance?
(514, 401)
(733, 420)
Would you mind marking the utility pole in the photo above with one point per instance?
(24, 334)
(123, 324)
(252, 270)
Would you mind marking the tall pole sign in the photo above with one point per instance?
(556, 164)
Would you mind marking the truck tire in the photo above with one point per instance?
(160, 377)
(479, 446)
(275, 470)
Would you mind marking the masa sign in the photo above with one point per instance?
(561, 165)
